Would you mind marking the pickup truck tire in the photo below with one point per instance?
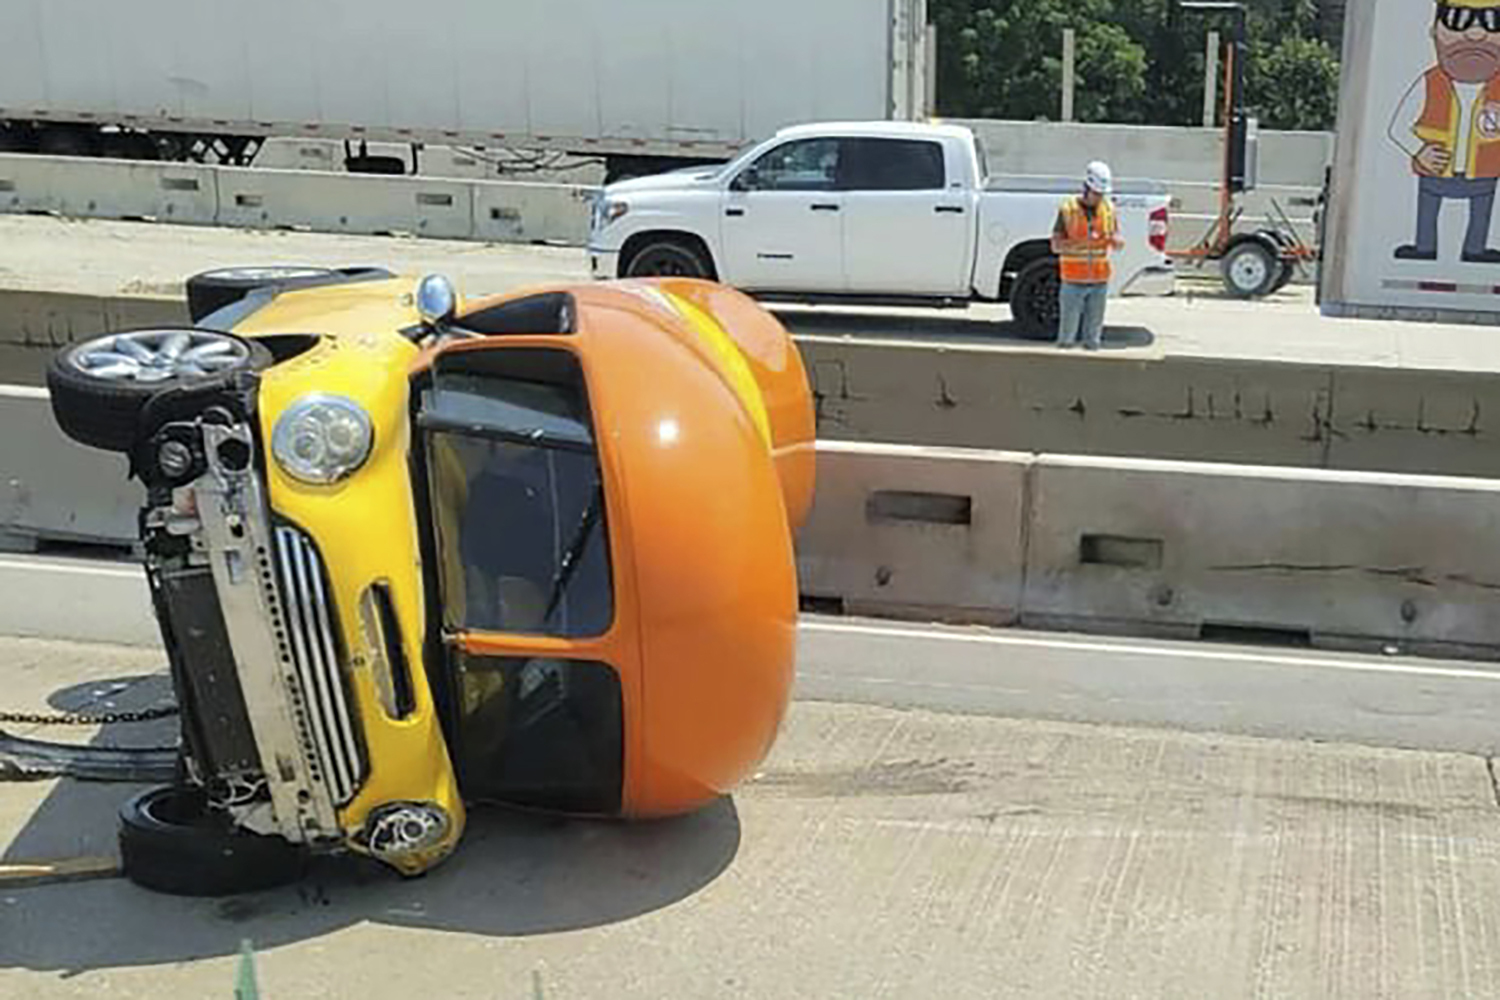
(668, 259)
(211, 291)
(1034, 299)
(98, 401)
(1251, 269)
(171, 842)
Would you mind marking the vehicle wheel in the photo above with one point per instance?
(668, 260)
(1034, 299)
(170, 841)
(99, 387)
(211, 291)
(1250, 269)
(1288, 272)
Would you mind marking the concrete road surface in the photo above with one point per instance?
(881, 852)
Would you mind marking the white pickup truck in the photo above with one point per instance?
(894, 213)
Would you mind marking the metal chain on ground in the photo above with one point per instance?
(87, 718)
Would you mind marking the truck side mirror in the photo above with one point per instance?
(748, 180)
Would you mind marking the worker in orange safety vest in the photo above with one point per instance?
(1449, 126)
(1085, 233)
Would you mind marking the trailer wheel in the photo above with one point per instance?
(1288, 272)
(1250, 269)
(171, 842)
(668, 259)
(1034, 299)
(100, 387)
(211, 291)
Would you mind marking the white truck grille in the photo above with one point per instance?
(306, 639)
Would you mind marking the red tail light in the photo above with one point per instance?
(1158, 231)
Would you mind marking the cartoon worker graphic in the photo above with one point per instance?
(1449, 124)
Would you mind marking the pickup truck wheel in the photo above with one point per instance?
(1250, 269)
(668, 260)
(1034, 299)
(100, 387)
(211, 291)
(172, 842)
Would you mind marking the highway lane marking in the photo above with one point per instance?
(1125, 649)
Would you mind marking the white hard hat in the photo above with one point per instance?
(1099, 177)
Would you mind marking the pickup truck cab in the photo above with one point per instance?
(880, 212)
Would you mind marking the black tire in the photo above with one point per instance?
(211, 291)
(1251, 268)
(171, 842)
(1034, 299)
(668, 259)
(104, 413)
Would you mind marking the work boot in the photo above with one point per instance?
(1413, 252)
(1482, 257)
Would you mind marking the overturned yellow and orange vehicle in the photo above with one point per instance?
(408, 553)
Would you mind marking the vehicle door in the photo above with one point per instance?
(517, 522)
(909, 219)
(782, 220)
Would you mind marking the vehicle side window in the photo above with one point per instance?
(803, 165)
(894, 165)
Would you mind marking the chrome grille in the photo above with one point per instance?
(307, 641)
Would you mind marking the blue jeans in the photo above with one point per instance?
(1431, 192)
(1082, 308)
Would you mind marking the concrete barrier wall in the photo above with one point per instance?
(1164, 548)
(52, 489)
(1189, 409)
(47, 320)
(106, 189)
(1112, 544)
(1255, 413)
(1163, 152)
(494, 211)
(1342, 557)
(907, 530)
(342, 203)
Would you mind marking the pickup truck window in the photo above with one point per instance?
(803, 165)
(893, 165)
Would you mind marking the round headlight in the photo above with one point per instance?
(321, 439)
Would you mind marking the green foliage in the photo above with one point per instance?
(1139, 61)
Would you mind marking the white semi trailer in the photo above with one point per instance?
(647, 85)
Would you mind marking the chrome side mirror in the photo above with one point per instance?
(437, 300)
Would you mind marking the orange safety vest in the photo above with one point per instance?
(1091, 268)
(1439, 124)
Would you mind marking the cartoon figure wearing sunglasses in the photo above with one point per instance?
(1449, 124)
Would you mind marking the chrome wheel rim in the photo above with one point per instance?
(152, 356)
(273, 272)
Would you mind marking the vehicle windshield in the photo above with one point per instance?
(518, 500)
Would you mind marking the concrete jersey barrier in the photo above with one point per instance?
(464, 209)
(1157, 548)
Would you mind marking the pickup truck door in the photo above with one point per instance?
(909, 219)
(782, 220)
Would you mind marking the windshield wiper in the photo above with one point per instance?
(574, 553)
